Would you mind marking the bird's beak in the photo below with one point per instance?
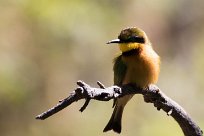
(114, 41)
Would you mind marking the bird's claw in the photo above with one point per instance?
(117, 91)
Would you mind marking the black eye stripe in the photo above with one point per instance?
(134, 39)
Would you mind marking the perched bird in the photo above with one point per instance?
(137, 64)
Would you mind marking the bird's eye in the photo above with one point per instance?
(136, 39)
(132, 39)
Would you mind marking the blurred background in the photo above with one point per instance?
(47, 45)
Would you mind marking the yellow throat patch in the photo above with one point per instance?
(124, 47)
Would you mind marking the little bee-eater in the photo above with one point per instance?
(137, 64)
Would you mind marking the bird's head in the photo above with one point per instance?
(131, 38)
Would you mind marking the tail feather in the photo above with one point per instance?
(115, 120)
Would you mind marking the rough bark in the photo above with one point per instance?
(152, 94)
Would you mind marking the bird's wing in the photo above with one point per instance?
(119, 69)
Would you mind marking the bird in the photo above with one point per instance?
(137, 63)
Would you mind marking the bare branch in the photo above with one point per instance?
(84, 91)
(85, 105)
(152, 94)
(161, 101)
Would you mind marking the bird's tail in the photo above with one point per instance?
(115, 120)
